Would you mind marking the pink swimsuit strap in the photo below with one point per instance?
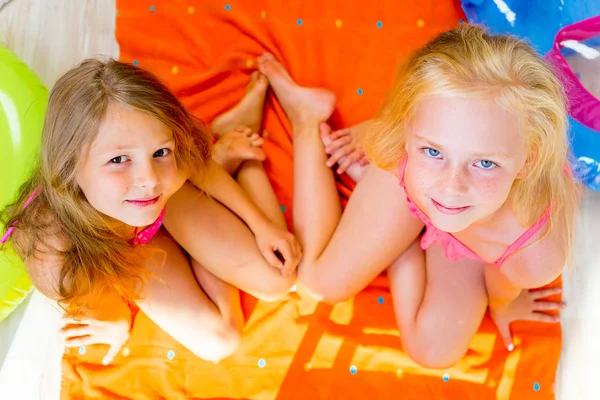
(12, 227)
(140, 237)
(144, 236)
(454, 249)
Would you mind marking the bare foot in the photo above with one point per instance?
(237, 146)
(301, 104)
(248, 112)
(353, 165)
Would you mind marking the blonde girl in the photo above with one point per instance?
(117, 149)
(471, 149)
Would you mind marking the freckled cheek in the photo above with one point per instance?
(493, 190)
(424, 178)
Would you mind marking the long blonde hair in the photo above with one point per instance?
(95, 258)
(470, 61)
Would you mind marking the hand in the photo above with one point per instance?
(279, 247)
(346, 148)
(526, 307)
(113, 331)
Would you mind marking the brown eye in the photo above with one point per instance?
(118, 160)
(162, 153)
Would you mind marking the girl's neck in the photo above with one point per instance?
(493, 221)
(123, 230)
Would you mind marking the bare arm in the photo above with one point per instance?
(273, 242)
(374, 230)
(222, 187)
(508, 286)
(530, 268)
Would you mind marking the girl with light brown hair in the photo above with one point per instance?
(117, 150)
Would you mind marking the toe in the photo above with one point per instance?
(262, 79)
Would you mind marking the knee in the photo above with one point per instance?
(218, 345)
(277, 287)
(430, 354)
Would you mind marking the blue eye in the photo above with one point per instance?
(485, 164)
(433, 153)
(162, 152)
(118, 160)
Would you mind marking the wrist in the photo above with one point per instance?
(258, 223)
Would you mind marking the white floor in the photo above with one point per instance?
(51, 36)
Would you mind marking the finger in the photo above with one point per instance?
(364, 161)
(285, 248)
(298, 247)
(342, 132)
(504, 330)
(76, 331)
(336, 144)
(269, 255)
(254, 136)
(540, 294)
(346, 163)
(80, 341)
(541, 317)
(345, 151)
(258, 142)
(70, 320)
(549, 305)
(111, 354)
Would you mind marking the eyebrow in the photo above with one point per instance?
(499, 154)
(125, 148)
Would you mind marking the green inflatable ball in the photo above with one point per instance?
(23, 99)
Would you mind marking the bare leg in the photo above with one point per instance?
(210, 326)
(341, 256)
(249, 171)
(218, 240)
(433, 297)
(248, 112)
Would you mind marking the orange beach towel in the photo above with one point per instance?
(298, 348)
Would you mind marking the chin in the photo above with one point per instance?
(450, 224)
(142, 219)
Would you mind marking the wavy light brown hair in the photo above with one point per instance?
(94, 257)
(468, 61)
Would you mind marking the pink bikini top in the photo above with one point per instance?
(140, 237)
(454, 248)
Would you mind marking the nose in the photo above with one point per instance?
(454, 181)
(146, 175)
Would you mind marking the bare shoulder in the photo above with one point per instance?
(539, 262)
(44, 264)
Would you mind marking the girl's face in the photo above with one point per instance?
(130, 170)
(463, 157)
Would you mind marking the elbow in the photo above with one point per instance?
(319, 289)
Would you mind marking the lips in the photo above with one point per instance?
(449, 210)
(146, 202)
